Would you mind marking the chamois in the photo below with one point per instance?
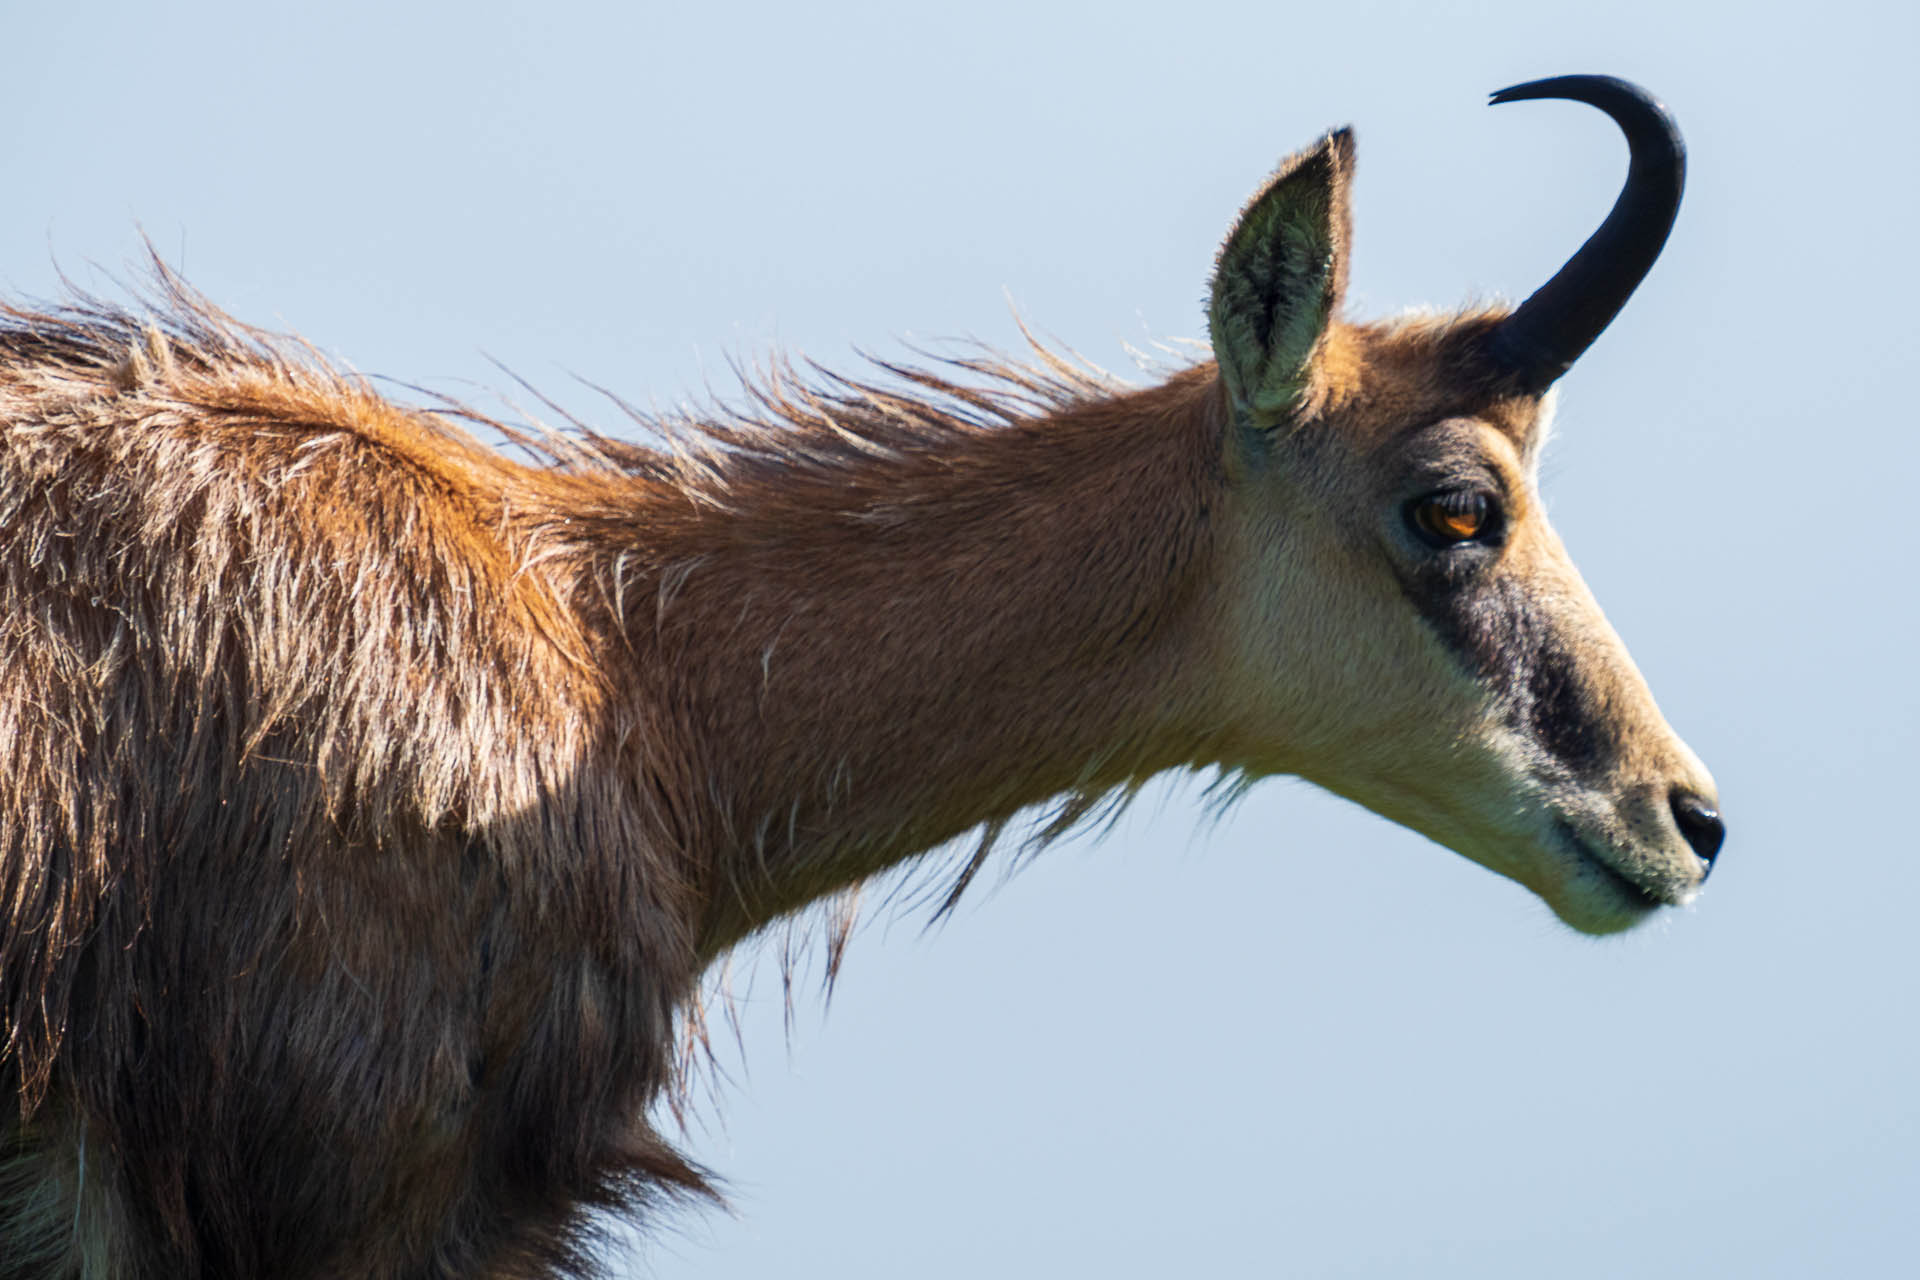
(375, 801)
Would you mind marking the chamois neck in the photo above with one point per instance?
(852, 662)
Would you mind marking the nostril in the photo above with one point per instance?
(1700, 823)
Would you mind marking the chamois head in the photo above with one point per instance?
(1405, 628)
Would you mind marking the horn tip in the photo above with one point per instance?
(1595, 90)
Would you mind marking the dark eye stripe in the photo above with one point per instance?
(1499, 637)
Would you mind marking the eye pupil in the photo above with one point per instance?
(1458, 515)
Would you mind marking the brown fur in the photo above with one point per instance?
(375, 801)
(319, 887)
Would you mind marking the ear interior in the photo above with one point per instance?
(1280, 278)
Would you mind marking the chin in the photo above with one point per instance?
(1599, 916)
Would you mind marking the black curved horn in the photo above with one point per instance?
(1541, 340)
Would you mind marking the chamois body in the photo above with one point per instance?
(375, 801)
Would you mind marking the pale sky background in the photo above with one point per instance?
(1301, 1042)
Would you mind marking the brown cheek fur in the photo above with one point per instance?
(1525, 630)
(1505, 629)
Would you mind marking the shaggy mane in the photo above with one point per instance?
(796, 422)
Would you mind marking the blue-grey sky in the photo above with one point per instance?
(1301, 1042)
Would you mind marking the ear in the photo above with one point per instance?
(1280, 278)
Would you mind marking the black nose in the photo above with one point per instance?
(1700, 823)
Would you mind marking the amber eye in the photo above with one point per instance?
(1453, 515)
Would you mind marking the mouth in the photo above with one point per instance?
(1615, 901)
